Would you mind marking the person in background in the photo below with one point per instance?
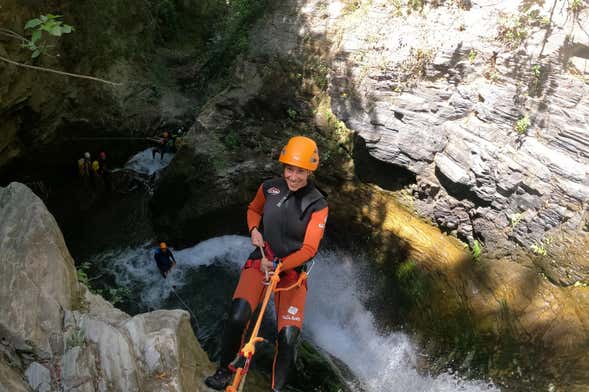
(85, 165)
(286, 219)
(162, 145)
(101, 171)
(164, 259)
(85, 169)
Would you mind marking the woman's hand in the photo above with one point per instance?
(257, 239)
(266, 265)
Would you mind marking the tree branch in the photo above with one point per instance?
(9, 61)
(12, 34)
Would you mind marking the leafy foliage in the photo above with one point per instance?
(577, 5)
(225, 47)
(472, 55)
(76, 339)
(412, 281)
(82, 272)
(50, 24)
(522, 125)
(476, 250)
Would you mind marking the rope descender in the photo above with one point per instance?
(242, 362)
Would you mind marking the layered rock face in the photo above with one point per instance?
(485, 103)
(61, 336)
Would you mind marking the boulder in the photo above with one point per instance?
(68, 337)
(37, 274)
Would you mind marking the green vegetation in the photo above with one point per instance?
(535, 87)
(522, 125)
(476, 250)
(514, 29)
(540, 248)
(76, 339)
(412, 282)
(537, 71)
(577, 5)
(472, 55)
(224, 48)
(114, 295)
(415, 5)
(44, 24)
(82, 273)
(292, 114)
(38, 45)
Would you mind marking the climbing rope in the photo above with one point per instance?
(188, 309)
(242, 361)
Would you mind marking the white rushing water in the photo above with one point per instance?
(144, 163)
(336, 319)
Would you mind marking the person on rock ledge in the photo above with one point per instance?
(287, 220)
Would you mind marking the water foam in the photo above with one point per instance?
(144, 163)
(336, 318)
(339, 322)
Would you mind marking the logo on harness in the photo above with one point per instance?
(293, 310)
(274, 191)
(291, 318)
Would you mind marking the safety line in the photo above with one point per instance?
(186, 306)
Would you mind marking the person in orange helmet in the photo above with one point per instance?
(287, 219)
(164, 259)
(162, 145)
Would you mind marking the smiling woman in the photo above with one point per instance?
(286, 221)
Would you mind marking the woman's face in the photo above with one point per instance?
(296, 177)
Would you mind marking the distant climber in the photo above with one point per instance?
(163, 145)
(85, 170)
(84, 165)
(164, 259)
(101, 171)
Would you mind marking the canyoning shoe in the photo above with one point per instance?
(219, 380)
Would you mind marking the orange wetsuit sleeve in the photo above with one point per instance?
(313, 235)
(255, 209)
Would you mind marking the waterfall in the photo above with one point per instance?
(336, 318)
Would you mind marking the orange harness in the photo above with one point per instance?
(249, 349)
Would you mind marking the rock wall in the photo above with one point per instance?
(485, 103)
(133, 44)
(57, 335)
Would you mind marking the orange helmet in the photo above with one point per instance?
(300, 152)
(163, 245)
(166, 134)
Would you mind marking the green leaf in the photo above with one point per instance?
(51, 16)
(32, 23)
(36, 54)
(56, 31)
(36, 36)
(67, 29)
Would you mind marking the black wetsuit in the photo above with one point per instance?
(164, 260)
